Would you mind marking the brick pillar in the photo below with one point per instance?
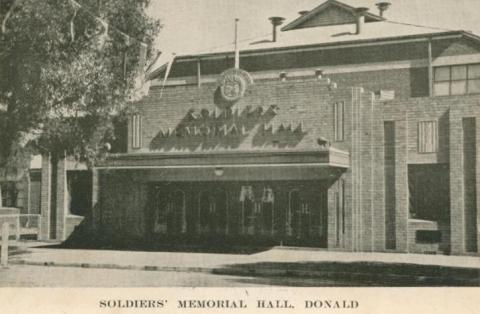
(45, 198)
(332, 216)
(356, 171)
(457, 232)
(401, 186)
(367, 178)
(95, 187)
(470, 183)
(62, 197)
(477, 132)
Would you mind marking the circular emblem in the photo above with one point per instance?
(233, 83)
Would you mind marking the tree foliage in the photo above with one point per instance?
(65, 74)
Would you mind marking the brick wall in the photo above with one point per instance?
(449, 112)
(307, 101)
(123, 194)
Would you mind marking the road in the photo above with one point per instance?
(44, 276)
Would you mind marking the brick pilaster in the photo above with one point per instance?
(62, 198)
(401, 185)
(45, 198)
(477, 137)
(95, 198)
(457, 202)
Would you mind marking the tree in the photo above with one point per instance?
(67, 68)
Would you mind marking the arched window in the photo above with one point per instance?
(268, 199)
(248, 210)
(205, 210)
(161, 207)
(178, 222)
(221, 210)
(294, 212)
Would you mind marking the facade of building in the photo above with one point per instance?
(344, 131)
(47, 210)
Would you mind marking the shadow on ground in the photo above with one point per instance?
(356, 274)
(204, 244)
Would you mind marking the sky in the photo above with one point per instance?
(191, 26)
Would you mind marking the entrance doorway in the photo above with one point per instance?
(169, 212)
(288, 212)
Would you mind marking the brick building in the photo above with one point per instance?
(342, 130)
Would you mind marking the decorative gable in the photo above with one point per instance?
(331, 12)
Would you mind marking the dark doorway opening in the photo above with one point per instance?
(80, 189)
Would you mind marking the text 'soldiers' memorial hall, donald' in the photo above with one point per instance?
(341, 130)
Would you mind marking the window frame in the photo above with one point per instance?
(436, 139)
(467, 79)
(339, 121)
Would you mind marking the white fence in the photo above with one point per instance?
(20, 224)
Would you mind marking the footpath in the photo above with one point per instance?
(384, 269)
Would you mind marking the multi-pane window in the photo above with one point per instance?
(427, 137)
(339, 120)
(456, 80)
(136, 131)
(9, 194)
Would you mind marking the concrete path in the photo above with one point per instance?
(178, 261)
(279, 254)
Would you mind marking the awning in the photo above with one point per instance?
(231, 165)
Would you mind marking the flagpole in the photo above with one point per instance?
(237, 50)
(167, 72)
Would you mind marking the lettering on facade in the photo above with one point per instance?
(228, 122)
(231, 129)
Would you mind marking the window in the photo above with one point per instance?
(429, 192)
(427, 137)
(9, 194)
(247, 199)
(206, 211)
(268, 199)
(176, 222)
(136, 131)
(456, 80)
(338, 121)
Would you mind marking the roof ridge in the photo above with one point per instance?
(311, 13)
(419, 26)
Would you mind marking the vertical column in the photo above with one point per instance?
(355, 172)
(401, 186)
(332, 216)
(61, 196)
(199, 73)
(367, 164)
(348, 213)
(45, 198)
(389, 186)
(470, 186)
(4, 253)
(95, 191)
(457, 221)
(477, 174)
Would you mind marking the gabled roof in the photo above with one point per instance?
(327, 36)
(322, 9)
(331, 36)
